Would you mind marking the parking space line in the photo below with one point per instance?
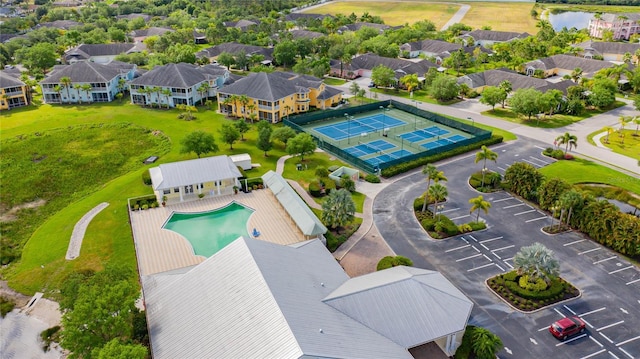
(489, 259)
(490, 239)
(621, 269)
(559, 312)
(514, 205)
(624, 351)
(633, 281)
(606, 337)
(543, 328)
(540, 160)
(525, 212)
(472, 237)
(628, 341)
(505, 262)
(590, 250)
(483, 246)
(569, 309)
(536, 219)
(497, 256)
(571, 340)
(465, 216)
(469, 257)
(482, 266)
(574, 242)
(532, 163)
(449, 210)
(594, 354)
(604, 260)
(497, 265)
(610, 325)
(503, 199)
(591, 312)
(597, 342)
(613, 355)
(505, 247)
(587, 323)
(502, 169)
(455, 249)
(476, 249)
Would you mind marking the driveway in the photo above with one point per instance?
(610, 285)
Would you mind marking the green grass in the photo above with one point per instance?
(582, 171)
(555, 121)
(506, 135)
(332, 81)
(628, 146)
(419, 95)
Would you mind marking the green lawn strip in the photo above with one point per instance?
(332, 81)
(583, 171)
(308, 175)
(418, 95)
(555, 121)
(629, 146)
(506, 135)
(592, 8)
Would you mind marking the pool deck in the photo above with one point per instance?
(159, 250)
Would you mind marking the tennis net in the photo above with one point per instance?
(371, 128)
(372, 148)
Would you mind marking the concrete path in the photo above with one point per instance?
(457, 17)
(75, 243)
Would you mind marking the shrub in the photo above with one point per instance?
(477, 226)
(557, 154)
(537, 286)
(418, 203)
(464, 228)
(428, 224)
(153, 204)
(444, 224)
(347, 183)
(322, 172)
(510, 276)
(50, 335)
(146, 178)
(389, 261)
(314, 189)
(136, 207)
(372, 178)
(568, 156)
(6, 305)
(145, 206)
(547, 151)
(249, 183)
(329, 185)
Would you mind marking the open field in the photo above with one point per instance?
(590, 8)
(501, 16)
(583, 171)
(393, 13)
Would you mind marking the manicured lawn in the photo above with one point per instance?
(331, 81)
(555, 121)
(583, 171)
(628, 146)
(419, 95)
(506, 135)
(501, 16)
(393, 13)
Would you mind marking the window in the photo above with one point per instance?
(176, 190)
(166, 191)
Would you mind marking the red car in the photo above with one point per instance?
(567, 327)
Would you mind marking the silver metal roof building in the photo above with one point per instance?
(176, 174)
(255, 299)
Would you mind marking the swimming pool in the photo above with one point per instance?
(208, 232)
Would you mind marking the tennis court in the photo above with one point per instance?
(386, 157)
(424, 134)
(368, 148)
(443, 141)
(353, 127)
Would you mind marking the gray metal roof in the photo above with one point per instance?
(272, 86)
(411, 306)
(255, 299)
(8, 80)
(179, 75)
(305, 219)
(200, 170)
(86, 72)
(568, 62)
(492, 35)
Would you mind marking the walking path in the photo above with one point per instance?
(79, 229)
(457, 17)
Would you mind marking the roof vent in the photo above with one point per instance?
(322, 284)
(321, 331)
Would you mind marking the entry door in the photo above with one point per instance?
(188, 189)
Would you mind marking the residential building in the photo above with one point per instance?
(186, 180)
(175, 84)
(272, 96)
(88, 82)
(134, 16)
(363, 65)
(297, 16)
(305, 34)
(100, 53)
(13, 92)
(61, 24)
(608, 51)
(437, 50)
(242, 25)
(561, 65)
(480, 80)
(142, 34)
(621, 25)
(486, 38)
(256, 299)
(213, 52)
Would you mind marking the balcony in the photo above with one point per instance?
(14, 93)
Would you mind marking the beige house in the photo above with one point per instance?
(188, 180)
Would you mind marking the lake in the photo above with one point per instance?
(569, 19)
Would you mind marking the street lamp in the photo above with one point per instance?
(473, 122)
(415, 115)
(401, 143)
(348, 128)
(383, 117)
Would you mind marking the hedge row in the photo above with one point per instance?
(407, 166)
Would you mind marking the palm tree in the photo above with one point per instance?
(244, 101)
(437, 193)
(167, 93)
(86, 88)
(58, 90)
(485, 344)
(609, 131)
(536, 261)
(203, 89)
(252, 114)
(410, 82)
(570, 200)
(478, 203)
(228, 100)
(484, 155)
(569, 140)
(636, 120)
(144, 92)
(637, 55)
(157, 90)
(338, 209)
(576, 74)
(65, 82)
(432, 174)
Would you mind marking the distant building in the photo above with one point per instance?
(61, 24)
(305, 34)
(142, 34)
(362, 66)
(621, 25)
(213, 52)
(608, 51)
(276, 95)
(134, 16)
(100, 53)
(13, 92)
(480, 80)
(486, 38)
(437, 49)
(561, 65)
(242, 25)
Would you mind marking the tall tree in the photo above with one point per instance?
(285, 52)
(66, 83)
(301, 145)
(230, 134)
(242, 127)
(492, 96)
(432, 175)
(283, 134)
(264, 139)
(383, 76)
(444, 88)
(199, 142)
(410, 81)
(484, 155)
(570, 141)
(525, 101)
(338, 209)
(437, 193)
(115, 349)
(478, 204)
(226, 59)
(507, 88)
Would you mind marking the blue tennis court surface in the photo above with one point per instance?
(388, 157)
(356, 127)
(424, 134)
(369, 148)
(443, 141)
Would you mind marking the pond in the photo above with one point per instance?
(569, 19)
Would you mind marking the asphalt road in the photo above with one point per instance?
(610, 300)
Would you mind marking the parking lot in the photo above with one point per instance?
(610, 285)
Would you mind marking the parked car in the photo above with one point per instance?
(372, 84)
(566, 327)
